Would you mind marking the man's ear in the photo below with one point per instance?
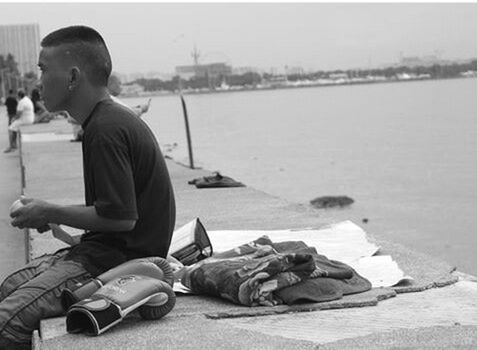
(75, 75)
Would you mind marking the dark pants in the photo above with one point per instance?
(10, 118)
(33, 293)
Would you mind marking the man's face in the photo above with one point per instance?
(55, 78)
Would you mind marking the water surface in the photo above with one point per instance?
(406, 152)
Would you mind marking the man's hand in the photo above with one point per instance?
(33, 214)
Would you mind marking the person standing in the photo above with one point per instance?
(129, 208)
(25, 115)
(11, 104)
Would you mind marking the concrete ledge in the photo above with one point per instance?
(199, 321)
(214, 308)
(171, 333)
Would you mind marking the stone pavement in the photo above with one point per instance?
(433, 318)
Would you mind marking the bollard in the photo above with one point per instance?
(189, 142)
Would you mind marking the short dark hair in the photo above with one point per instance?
(87, 47)
(10, 91)
(21, 93)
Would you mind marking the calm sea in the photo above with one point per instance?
(406, 152)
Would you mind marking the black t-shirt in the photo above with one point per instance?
(125, 177)
(11, 103)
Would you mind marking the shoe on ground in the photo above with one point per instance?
(10, 149)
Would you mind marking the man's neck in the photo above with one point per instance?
(84, 102)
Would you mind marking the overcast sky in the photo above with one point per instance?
(158, 36)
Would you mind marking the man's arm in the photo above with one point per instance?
(38, 213)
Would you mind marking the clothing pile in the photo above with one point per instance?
(215, 181)
(267, 273)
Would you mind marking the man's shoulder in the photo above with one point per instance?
(111, 120)
(114, 109)
(120, 102)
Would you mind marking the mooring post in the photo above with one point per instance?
(189, 142)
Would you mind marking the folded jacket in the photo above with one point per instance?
(267, 273)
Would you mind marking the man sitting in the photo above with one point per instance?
(129, 209)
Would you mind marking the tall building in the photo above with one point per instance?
(23, 42)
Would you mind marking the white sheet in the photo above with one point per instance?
(344, 241)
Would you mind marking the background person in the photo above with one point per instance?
(25, 115)
(42, 115)
(35, 99)
(11, 104)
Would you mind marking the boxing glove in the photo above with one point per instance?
(111, 303)
(154, 267)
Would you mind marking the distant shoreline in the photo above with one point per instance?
(280, 87)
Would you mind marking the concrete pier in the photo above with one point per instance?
(12, 240)
(438, 311)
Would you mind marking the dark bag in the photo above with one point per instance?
(190, 243)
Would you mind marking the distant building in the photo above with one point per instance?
(294, 70)
(186, 72)
(131, 77)
(337, 76)
(159, 75)
(424, 61)
(469, 74)
(23, 42)
(276, 81)
(134, 76)
(131, 89)
(211, 70)
(243, 70)
(277, 71)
